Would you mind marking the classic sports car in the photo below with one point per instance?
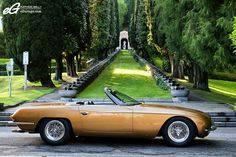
(123, 117)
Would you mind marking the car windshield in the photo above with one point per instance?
(125, 98)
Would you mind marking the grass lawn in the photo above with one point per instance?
(4, 60)
(18, 93)
(221, 91)
(127, 76)
(225, 87)
(33, 92)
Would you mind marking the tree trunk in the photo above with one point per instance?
(177, 70)
(59, 68)
(78, 62)
(190, 71)
(71, 69)
(80, 59)
(200, 78)
(171, 58)
(47, 82)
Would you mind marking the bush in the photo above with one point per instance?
(228, 76)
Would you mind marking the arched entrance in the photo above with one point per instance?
(124, 44)
(124, 40)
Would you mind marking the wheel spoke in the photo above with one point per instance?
(178, 131)
(54, 130)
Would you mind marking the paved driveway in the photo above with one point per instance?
(222, 142)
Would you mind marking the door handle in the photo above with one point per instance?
(84, 113)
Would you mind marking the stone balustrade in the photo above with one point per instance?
(71, 90)
(178, 92)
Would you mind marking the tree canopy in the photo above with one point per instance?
(104, 20)
(2, 44)
(123, 14)
(63, 29)
(233, 35)
(192, 34)
(40, 34)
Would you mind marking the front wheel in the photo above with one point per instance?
(179, 132)
(55, 132)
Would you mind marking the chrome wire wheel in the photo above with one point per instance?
(178, 131)
(54, 130)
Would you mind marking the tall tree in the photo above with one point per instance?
(123, 11)
(76, 32)
(233, 35)
(195, 33)
(141, 27)
(2, 44)
(104, 26)
(205, 37)
(41, 37)
(114, 25)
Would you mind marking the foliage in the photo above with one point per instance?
(123, 11)
(158, 62)
(127, 76)
(104, 20)
(233, 35)
(205, 33)
(42, 37)
(68, 26)
(195, 33)
(76, 25)
(140, 27)
(2, 44)
(226, 75)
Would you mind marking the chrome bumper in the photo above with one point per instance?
(18, 131)
(212, 128)
(21, 123)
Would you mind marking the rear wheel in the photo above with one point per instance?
(179, 132)
(55, 132)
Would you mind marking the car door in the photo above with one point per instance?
(147, 121)
(106, 119)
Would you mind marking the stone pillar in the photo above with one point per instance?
(124, 35)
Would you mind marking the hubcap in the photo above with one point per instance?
(178, 131)
(54, 130)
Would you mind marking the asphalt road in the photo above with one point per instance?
(221, 142)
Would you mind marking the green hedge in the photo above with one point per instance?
(3, 71)
(228, 76)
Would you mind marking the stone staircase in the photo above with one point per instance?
(5, 119)
(221, 119)
(224, 119)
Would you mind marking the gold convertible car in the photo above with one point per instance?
(123, 117)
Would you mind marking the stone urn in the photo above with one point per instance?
(68, 93)
(180, 92)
